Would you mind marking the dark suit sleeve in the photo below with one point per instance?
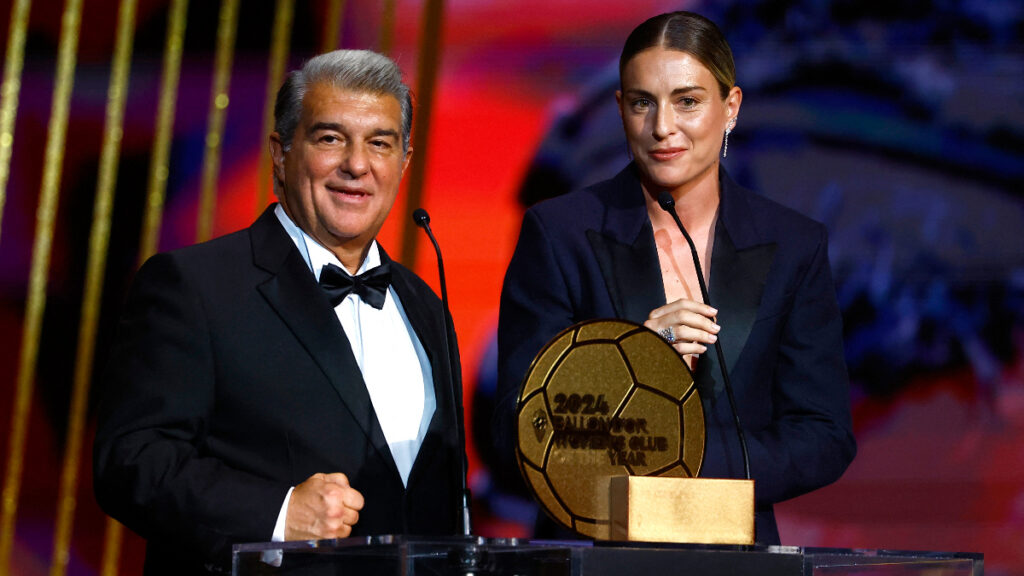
(535, 306)
(810, 440)
(151, 464)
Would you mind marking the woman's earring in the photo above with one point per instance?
(725, 143)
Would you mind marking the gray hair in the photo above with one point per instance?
(357, 70)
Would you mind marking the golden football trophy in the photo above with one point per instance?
(607, 410)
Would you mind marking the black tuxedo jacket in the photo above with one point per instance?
(591, 254)
(230, 381)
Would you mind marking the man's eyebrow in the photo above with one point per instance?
(336, 127)
(385, 132)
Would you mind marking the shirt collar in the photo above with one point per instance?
(314, 254)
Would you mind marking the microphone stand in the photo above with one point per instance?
(668, 204)
(422, 219)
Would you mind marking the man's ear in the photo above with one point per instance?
(277, 155)
(405, 162)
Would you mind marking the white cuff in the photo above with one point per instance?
(274, 557)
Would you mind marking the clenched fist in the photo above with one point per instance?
(324, 506)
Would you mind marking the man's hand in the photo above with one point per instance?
(324, 506)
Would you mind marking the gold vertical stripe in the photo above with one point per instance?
(11, 88)
(333, 25)
(426, 80)
(387, 27)
(226, 29)
(45, 215)
(159, 165)
(112, 538)
(99, 239)
(155, 192)
(280, 41)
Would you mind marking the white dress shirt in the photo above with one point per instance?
(394, 364)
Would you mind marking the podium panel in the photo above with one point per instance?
(464, 556)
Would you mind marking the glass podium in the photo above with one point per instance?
(464, 556)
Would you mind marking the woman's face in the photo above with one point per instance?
(674, 117)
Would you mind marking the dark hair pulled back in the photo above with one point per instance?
(686, 32)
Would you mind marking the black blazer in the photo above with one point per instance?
(591, 254)
(230, 381)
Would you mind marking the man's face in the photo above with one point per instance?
(340, 176)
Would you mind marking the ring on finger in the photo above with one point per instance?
(668, 334)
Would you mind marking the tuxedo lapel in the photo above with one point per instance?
(293, 293)
(425, 321)
(625, 250)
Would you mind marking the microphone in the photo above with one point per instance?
(422, 219)
(668, 204)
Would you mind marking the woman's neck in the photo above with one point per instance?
(696, 204)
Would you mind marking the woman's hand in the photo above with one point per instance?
(688, 325)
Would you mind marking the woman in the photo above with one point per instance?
(609, 251)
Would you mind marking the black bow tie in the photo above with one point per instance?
(371, 286)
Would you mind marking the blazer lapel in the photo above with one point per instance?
(628, 258)
(740, 263)
(625, 250)
(293, 293)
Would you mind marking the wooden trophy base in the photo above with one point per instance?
(681, 510)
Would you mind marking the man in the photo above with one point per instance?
(244, 402)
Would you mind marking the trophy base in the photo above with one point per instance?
(681, 510)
